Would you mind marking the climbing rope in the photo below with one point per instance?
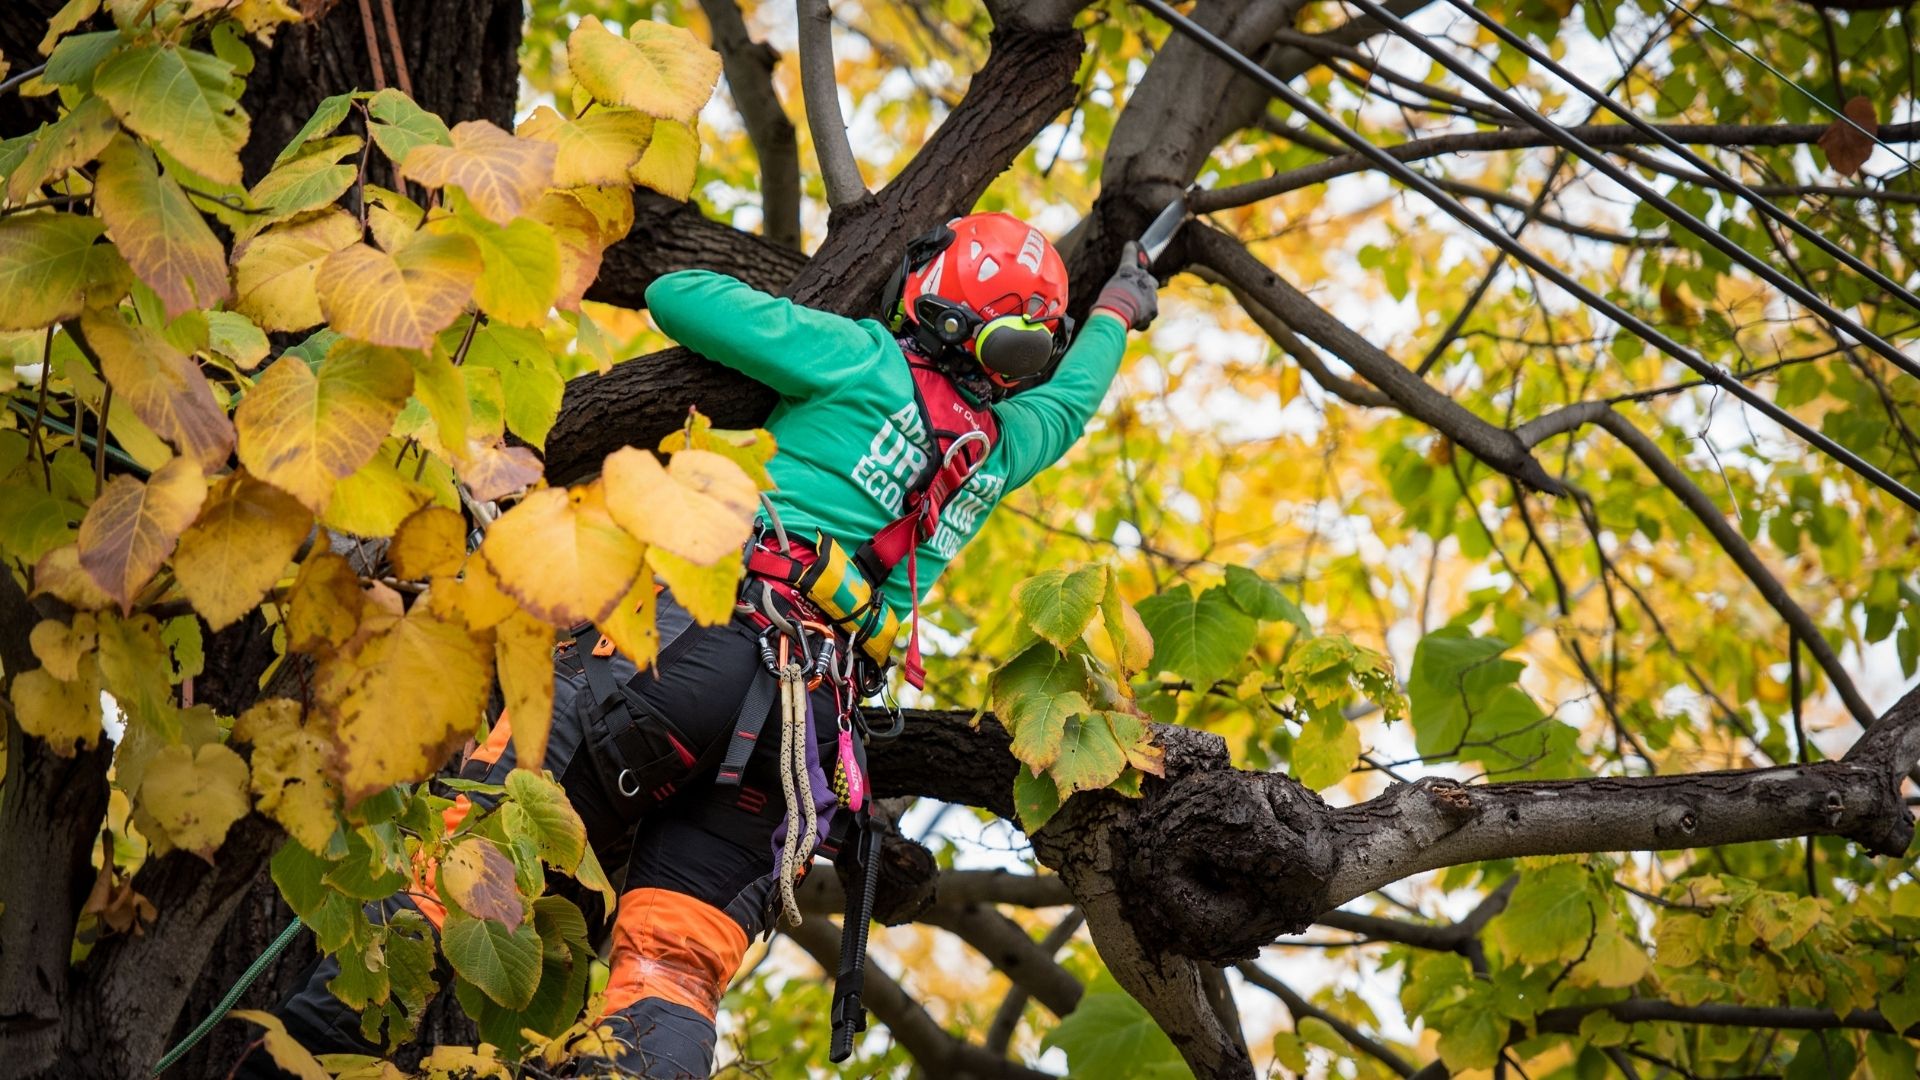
(796, 784)
(240, 985)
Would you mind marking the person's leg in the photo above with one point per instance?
(700, 886)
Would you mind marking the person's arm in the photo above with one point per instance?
(1040, 425)
(796, 350)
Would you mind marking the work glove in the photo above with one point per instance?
(1131, 293)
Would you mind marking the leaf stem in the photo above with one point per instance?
(100, 443)
(40, 410)
(20, 78)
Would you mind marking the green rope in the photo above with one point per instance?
(233, 995)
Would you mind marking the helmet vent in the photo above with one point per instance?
(988, 268)
(974, 252)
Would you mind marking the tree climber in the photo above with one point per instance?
(896, 441)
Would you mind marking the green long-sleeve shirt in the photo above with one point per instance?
(849, 433)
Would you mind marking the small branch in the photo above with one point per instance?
(937, 1051)
(1694, 498)
(1008, 948)
(1007, 1017)
(821, 90)
(1599, 135)
(1566, 1019)
(1300, 1007)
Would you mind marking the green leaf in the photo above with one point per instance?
(74, 61)
(1822, 1055)
(399, 125)
(309, 180)
(1110, 1035)
(1035, 798)
(504, 964)
(1325, 752)
(363, 874)
(551, 823)
(1038, 723)
(1200, 639)
(1472, 1034)
(181, 100)
(529, 377)
(326, 117)
(1550, 915)
(1041, 671)
(49, 264)
(1091, 754)
(1060, 604)
(1460, 690)
(1321, 1034)
(1262, 599)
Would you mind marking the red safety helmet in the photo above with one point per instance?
(989, 286)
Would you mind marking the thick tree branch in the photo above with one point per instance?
(749, 66)
(1494, 445)
(668, 235)
(1599, 135)
(939, 1053)
(1309, 358)
(821, 89)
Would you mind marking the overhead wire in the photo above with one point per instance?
(1606, 101)
(1712, 373)
(1561, 137)
(1839, 114)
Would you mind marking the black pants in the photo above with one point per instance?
(699, 859)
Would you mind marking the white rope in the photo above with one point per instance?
(796, 784)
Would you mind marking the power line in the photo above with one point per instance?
(1562, 137)
(1839, 114)
(1606, 101)
(1712, 373)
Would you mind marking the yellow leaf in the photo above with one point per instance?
(494, 470)
(442, 389)
(235, 337)
(405, 699)
(597, 148)
(1613, 960)
(284, 1048)
(65, 20)
(64, 713)
(392, 217)
(521, 275)
(661, 70)
(707, 592)
(162, 386)
(195, 796)
(500, 173)
(559, 553)
(611, 207)
(59, 574)
(132, 527)
(50, 268)
(181, 100)
(577, 236)
(61, 646)
(523, 654)
(402, 299)
(700, 507)
(750, 449)
(474, 598)
(241, 545)
(290, 767)
(71, 141)
(162, 237)
(377, 497)
(431, 542)
(134, 663)
(324, 611)
(477, 877)
(302, 433)
(273, 272)
(671, 160)
(633, 623)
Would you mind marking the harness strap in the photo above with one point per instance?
(747, 724)
(849, 1014)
